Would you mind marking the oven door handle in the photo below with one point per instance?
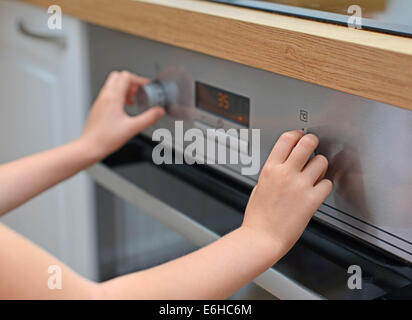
(272, 281)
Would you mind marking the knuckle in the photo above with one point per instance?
(310, 141)
(313, 199)
(283, 175)
(288, 136)
(283, 172)
(302, 185)
(322, 160)
(329, 185)
(267, 171)
(125, 73)
(108, 97)
(113, 74)
(322, 193)
(151, 119)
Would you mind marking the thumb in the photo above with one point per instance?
(147, 119)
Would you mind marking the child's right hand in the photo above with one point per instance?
(289, 191)
(109, 126)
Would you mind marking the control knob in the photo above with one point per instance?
(157, 93)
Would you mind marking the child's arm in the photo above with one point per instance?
(285, 198)
(281, 205)
(107, 129)
(288, 193)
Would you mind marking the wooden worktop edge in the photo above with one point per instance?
(367, 64)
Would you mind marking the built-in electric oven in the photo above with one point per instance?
(366, 222)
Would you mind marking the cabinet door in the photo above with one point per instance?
(43, 102)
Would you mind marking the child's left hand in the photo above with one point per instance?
(109, 126)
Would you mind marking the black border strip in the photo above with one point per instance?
(369, 234)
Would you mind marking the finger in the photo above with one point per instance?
(146, 119)
(110, 81)
(316, 168)
(303, 150)
(131, 95)
(284, 146)
(128, 82)
(322, 175)
(130, 98)
(323, 189)
(137, 80)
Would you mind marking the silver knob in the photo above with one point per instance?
(151, 95)
(156, 93)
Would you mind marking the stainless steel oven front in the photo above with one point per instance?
(367, 220)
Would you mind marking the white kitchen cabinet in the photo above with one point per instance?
(43, 103)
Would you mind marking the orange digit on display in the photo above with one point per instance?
(223, 101)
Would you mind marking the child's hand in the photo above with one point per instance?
(109, 126)
(289, 191)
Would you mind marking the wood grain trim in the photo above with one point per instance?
(368, 64)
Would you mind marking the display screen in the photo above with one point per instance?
(223, 103)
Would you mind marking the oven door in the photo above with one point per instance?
(194, 205)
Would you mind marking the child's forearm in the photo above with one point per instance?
(214, 272)
(25, 178)
(107, 129)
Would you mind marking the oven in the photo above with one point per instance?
(150, 213)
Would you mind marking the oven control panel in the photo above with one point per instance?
(207, 108)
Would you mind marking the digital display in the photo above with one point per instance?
(223, 103)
